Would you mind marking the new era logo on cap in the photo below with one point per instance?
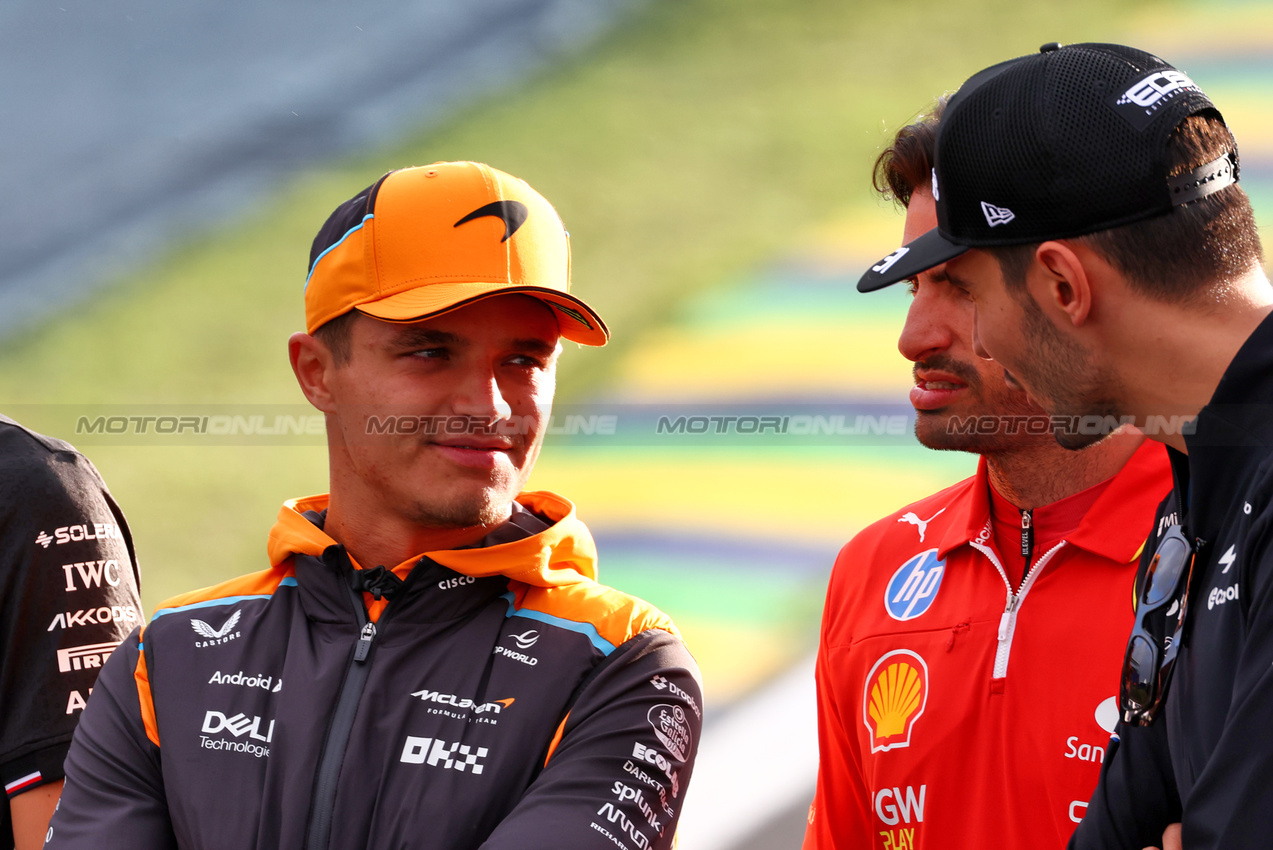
(996, 216)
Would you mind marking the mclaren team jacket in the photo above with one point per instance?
(496, 697)
(956, 710)
(1207, 759)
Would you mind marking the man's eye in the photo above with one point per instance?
(526, 360)
(912, 286)
(430, 353)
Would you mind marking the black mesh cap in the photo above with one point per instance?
(1057, 144)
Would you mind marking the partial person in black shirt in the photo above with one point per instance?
(1089, 209)
(68, 596)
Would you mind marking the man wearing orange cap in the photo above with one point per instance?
(428, 660)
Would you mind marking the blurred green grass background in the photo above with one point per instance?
(699, 140)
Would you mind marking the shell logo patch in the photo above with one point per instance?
(893, 698)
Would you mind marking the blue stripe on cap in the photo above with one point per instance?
(350, 232)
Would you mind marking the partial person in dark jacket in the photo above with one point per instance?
(68, 596)
(428, 660)
(1089, 207)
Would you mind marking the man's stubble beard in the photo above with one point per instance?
(1062, 371)
(935, 429)
(490, 506)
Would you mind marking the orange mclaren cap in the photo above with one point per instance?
(426, 240)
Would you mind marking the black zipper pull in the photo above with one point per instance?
(364, 642)
(1027, 536)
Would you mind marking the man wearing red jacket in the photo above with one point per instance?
(973, 709)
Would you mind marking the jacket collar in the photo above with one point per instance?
(1114, 527)
(562, 554)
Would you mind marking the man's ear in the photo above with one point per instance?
(1066, 285)
(313, 365)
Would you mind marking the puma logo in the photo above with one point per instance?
(920, 524)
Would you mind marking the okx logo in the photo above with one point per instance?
(914, 586)
(438, 753)
(893, 698)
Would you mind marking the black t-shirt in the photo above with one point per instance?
(68, 596)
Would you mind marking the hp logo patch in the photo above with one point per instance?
(914, 586)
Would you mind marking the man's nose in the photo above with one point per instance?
(480, 395)
(927, 330)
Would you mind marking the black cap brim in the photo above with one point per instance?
(931, 249)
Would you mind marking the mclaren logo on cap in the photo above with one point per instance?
(512, 213)
(996, 216)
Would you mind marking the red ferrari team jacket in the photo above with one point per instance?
(956, 710)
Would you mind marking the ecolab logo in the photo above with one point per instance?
(76, 533)
(662, 683)
(649, 755)
(91, 656)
